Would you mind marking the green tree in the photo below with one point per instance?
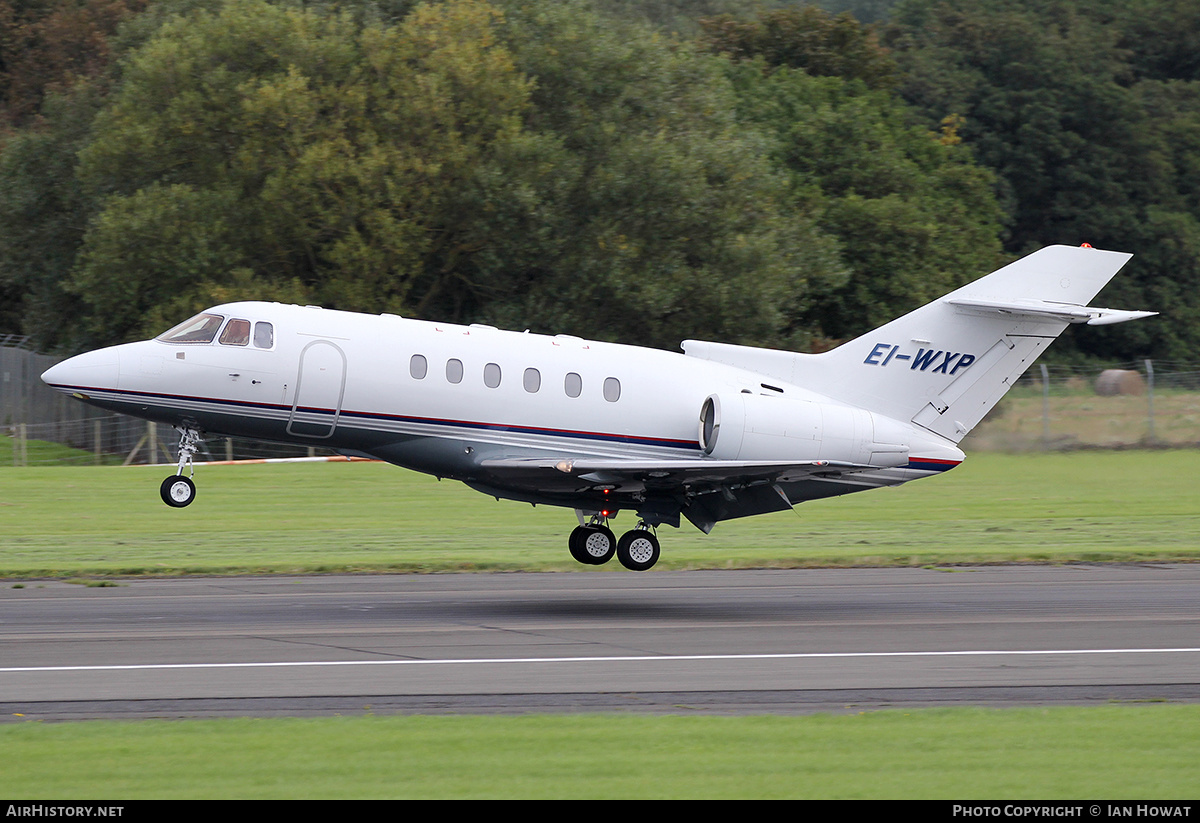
(48, 45)
(914, 215)
(804, 37)
(1087, 113)
(43, 212)
(542, 167)
(297, 154)
(637, 207)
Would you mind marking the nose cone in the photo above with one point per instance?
(93, 370)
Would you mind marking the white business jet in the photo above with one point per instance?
(719, 432)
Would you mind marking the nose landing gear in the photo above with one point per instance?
(178, 491)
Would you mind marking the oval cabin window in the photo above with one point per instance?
(612, 389)
(418, 367)
(532, 380)
(573, 385)
(491, 375)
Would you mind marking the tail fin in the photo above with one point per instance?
(946, 364)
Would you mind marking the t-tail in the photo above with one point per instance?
(946, 364)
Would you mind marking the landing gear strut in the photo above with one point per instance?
(594, 544)
(178, 491)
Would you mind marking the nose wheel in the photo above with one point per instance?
(177, 490)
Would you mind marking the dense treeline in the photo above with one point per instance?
(631, 170)
(1089, 114)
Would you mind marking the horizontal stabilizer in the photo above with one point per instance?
(1050, 311)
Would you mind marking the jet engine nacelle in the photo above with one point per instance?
(756, 427)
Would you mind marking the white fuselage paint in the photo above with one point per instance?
(346, 381)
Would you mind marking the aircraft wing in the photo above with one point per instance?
(686, 475)
(704, 491)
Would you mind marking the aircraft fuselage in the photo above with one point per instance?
(446, 399)
(720, 432)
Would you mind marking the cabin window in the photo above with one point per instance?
(418, 367)
(532, 380)
(612, 389)
(199, 329)
(491, 375)
(264, 335)
(454, 371)
(573, 385)
(237, 333)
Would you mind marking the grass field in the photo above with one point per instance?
(1089, 506)
(1022, 422)
(328, 517)
(1109, 752)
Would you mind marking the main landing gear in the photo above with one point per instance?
(594, 544)
(177, 490)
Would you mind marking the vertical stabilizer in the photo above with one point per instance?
(946, 364)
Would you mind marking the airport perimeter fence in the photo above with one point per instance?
(1140, 404)
(1143, 404)
(116, 439)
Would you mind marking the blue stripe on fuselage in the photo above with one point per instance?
(142, 397)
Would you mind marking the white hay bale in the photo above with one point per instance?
(1112, 382)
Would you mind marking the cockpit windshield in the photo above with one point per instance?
(203, 328)
(200, 329)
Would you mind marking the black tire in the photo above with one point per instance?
(177, 491)
(575, 544)
(593, 545)
(638, 550)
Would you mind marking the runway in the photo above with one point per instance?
(713, 641)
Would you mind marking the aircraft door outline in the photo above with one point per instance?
(320, 384)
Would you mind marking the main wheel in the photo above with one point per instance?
(638, 550)
(575, 544)
(178, 491)
(593, 545)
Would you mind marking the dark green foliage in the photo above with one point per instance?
(43, 212)
(48, 45)
(1087, 112)
(271, 152)
(914, 216)
(542, 164)
(804, 37)
(542, 167)
(640, 209)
